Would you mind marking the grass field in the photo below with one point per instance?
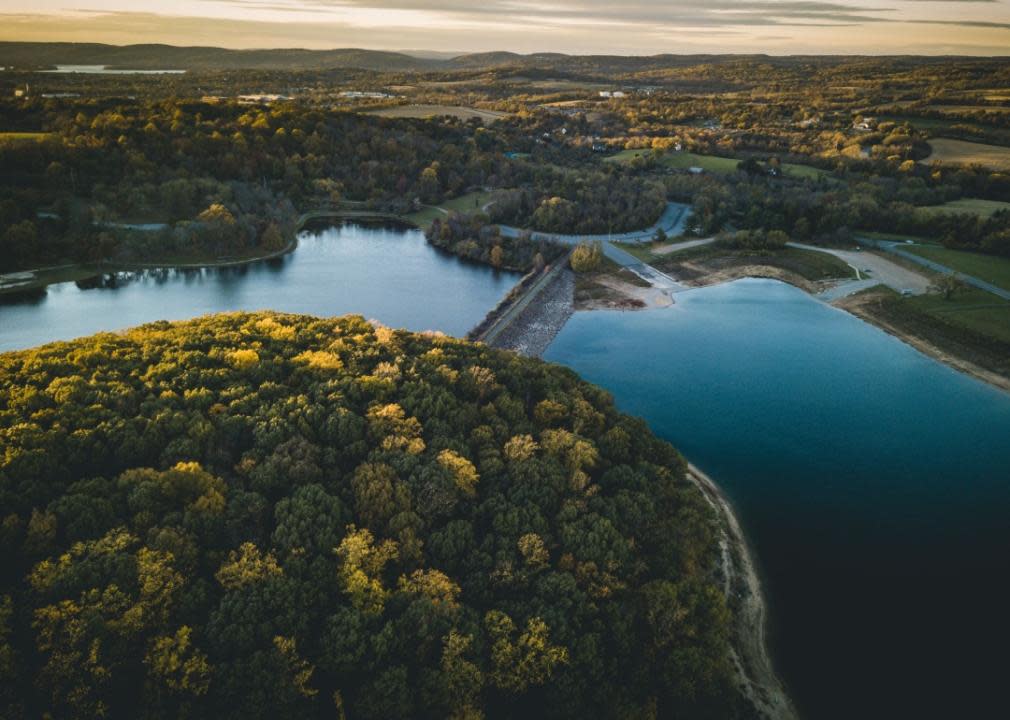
(464, 203)
(958, 109)
(991, 268)
(427, 111)
(809, 264)
(975, 310)
(975, 206)
(22, 136)
(959, 152)
(711, 163)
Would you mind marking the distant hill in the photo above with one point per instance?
(170, 57)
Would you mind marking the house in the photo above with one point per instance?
(611, 94)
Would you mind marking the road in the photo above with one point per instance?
(672, 222)
(897, 248)
(677, 247)
(881, 272)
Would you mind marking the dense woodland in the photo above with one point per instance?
(167, 148)
(264, 515)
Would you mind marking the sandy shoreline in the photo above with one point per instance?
(751, 658)
(859, 306)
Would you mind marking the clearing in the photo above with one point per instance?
(960, 152)
(711, 163)
(428, 111)
(464, 203)
(23, 136)
(974, 206)
(990, 268)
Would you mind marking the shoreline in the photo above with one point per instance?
(36, 284)
(741, 584)
(759, 682)
(854, 305)
(857, 307)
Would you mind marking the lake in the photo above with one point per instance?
(106, 70)
(873, 482)
(390, 274)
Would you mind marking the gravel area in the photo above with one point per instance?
(532, 331)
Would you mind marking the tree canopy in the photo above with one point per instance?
(266, 515)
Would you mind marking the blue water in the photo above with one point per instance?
(873, 482)
(390, 274)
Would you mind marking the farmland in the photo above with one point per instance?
(973, 206)
(710, 163)
(429, 111)
(959, 152)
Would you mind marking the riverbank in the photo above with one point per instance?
(980, 351)
(742, 587)
(35, 280)
(873, 306)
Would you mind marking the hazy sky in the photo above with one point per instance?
(980, 27)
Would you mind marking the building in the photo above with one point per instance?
(612, 94)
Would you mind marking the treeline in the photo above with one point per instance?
(829, 212)
(170, 160)
(275, 516)
(470, 236)
(581, 202)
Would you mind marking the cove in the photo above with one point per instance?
(387, 273)
(873, 482)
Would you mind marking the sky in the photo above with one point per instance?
(627, 27)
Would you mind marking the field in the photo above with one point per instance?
(808, 264)
(974, 206)
(959, 109)
(427, 111)
(710, 163)
(974, 310)
(992, 269)
(464, 203)
(22, 136)
(960, 152)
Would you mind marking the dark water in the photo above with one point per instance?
(873, 482)
(389, 274)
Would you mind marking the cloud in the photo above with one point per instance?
(574, 26)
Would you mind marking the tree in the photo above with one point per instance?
(949, 286)
(586, 258)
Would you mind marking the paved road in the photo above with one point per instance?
(899, 249)
(881, 271)
(672, 222)
(677, 247)
(648, 273)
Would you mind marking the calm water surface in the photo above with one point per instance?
(874, 483)
(389, 274)
(106, 70)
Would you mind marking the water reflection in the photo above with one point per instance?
(390, 274)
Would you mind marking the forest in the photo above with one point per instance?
(267, 515)
(817, 148)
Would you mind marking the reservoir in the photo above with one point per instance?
(106, 70)
(389, 274)
(873, 482)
